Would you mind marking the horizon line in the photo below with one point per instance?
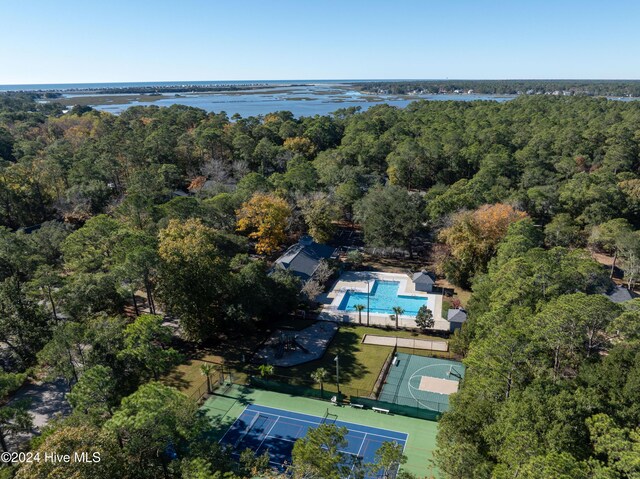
(188, 82)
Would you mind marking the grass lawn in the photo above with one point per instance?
(186, 377)
(232, 352)
(462, 294)
(360, 364)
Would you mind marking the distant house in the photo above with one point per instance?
(423, 281)
(456, 317)
(303, 258)
(620, 294)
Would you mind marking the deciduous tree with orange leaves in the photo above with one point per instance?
(472, 237)
(265, 218)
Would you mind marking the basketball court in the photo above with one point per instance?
(421, 381)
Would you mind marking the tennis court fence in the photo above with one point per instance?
(200, 393)
(405, 406)
(396, 404)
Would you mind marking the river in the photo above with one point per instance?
(301, 100)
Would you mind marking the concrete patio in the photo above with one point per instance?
(361, 281)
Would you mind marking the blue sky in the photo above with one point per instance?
(71, 41)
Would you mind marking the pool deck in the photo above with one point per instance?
(357, 281)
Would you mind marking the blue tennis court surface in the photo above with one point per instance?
(261, 429)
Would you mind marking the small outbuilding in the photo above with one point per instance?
(456, 317)
(423, 281)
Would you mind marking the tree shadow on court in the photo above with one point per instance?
(218, 428)
(243, 397)
(217, 407)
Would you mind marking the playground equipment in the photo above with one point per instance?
(288, 342)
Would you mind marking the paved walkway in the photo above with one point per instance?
(47, 401)
(425, 344)
(382, 320)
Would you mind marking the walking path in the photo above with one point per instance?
(425, 344)
(47, 401)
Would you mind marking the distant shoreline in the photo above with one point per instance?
(607, 88)
(167, 87)
(150, 89)
(313, 98)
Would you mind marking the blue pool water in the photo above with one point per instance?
(383, 297)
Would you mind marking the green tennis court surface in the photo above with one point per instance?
(225, 407)
(421, 382)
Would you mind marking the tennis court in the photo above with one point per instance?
(422, 382)
(262, 428)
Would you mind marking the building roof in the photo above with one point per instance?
(303, 258)
(422, 278)
(456, 315)
(620, 294)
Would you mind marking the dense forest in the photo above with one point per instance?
(619, 88)
(191, 208)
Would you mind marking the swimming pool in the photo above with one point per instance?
(383, 298)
